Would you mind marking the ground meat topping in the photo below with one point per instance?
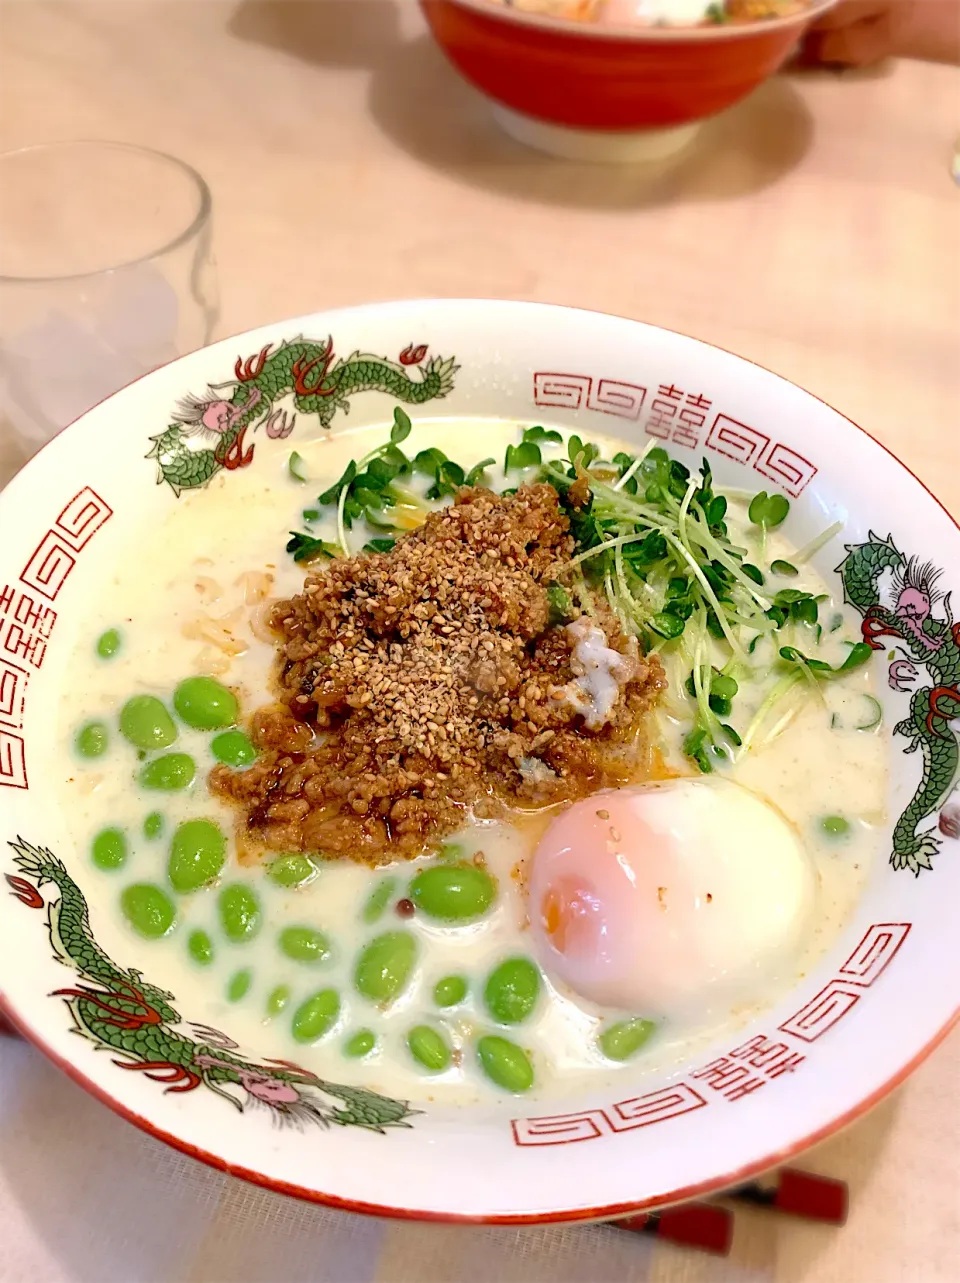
(418, 683)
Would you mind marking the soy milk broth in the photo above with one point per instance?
(206, 562)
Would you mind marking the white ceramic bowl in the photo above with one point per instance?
(880, 1000)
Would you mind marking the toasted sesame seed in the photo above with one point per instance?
(422, 678)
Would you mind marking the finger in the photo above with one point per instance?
(860, 45)
(850, 12)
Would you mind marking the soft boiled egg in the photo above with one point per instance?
(662, 898)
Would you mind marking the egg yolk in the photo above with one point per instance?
(570, 913)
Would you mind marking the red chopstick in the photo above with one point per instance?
(816, 1198)
(708, 1227)
(700, 1225)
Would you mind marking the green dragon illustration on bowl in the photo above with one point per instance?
(120, 1012)
(208, 433)
(927, 642)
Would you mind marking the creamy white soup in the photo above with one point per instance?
(539, 946)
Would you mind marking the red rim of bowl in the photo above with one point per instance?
(713, 1185)
(624, 31)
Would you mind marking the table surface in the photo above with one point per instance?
(813, 229)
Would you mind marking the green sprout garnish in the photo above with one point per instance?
(656, 542)
(653, 539)
(402, 427)
(295, 466)
(478, 473)
(365, 491)
(306, 549)
(768, 510)
(790, 604)
(379, 545)
(876, 715)
(538, 433)
(524, 455)
(859, 653)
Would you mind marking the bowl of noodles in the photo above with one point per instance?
(616, 80)
(464, 777)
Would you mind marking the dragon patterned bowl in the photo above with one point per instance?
(814, 1061)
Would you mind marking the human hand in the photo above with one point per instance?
(856, 33)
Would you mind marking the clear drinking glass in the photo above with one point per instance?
(106, 272)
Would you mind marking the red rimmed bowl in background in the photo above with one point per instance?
(603, 92)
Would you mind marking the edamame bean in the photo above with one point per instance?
(170, 772)
(146, 723)
(623, 1040)
(200, 947)
(360, 1044)
(278, 999)
(512, 990)
(316, 1015)
(108, 643)
(233, 748)
(428, 1047)
(294, 870)
(109, 849)
(239, 912)
(835, 826)
(378, 899)
(148, 909)
(239, 984)
(384, 966)
(449, 991)
(304, 944)
(92, 740)
(505, 1063)
(153, 825)
(453, 892)
(197, 853)
(203, 703)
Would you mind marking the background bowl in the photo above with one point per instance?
(608, 93)
(870, 1010)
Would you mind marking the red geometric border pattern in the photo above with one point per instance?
(566, 391)
(877, 949)
(822, 1011)
(875, 952)
(13, 690)
(654, 1107)
(82, 517)
(736, 441)
(791, 471)
(729, 437)
(625, 400)
(572, 391)
(49, 567)
(54, 557)
(13, 761)
(26, 624)
(626, 1115)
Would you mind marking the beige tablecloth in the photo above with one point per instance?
(814, 229)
